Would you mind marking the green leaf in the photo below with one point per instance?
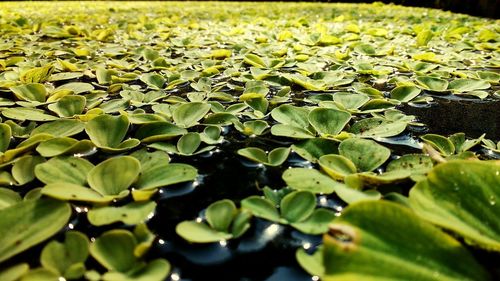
(297, 206)
(158, 131)
(220, 118)
(377, 127)
(40, 274)
(432, 83)
(64, 257)
(291, 115)
(487, 35)
(405, 93)
(365, 49)
(73, 192)
(291, 131)
(66, 169)
(259, 103)
(489, 76)
(144, 118)
(64, 145)
(28, 223)
(362, 245)
(337, 166)
(132, 213)
(211, 135)
(256, 89)
(253, 153)
(423, 37)
(23, 169)
(351, 195)
(195, 232)
(278, 156)
(5, 135)
(367, 155)
(114, 250)
(24, 113)
(442, 144)
(475, 94)
(107, 132)
(261, 207)
(76, 87)
(104, 75)
(254, 60)
(166, 174)
(309, 180)
(328, 121)
(466, 85)
(153, 80)
(220, 214)
(100, 180)
(317, 223)
(150, 159)
(61, 76)
(313, 149)
(30, 92)
(189, 143)
(68, 106)
(188, 114)
(114, 105)
(462, 144)
(386, 178)
(241, 223)
(23, 147)
(414, 163)
(422, 67)
(313, 264)
(204, 84)
(8, 197)
(156, 270)
(14, 272)
(150, 54)
(378, 105)
(464, 197)
(145, 239)
(275, 158)
(37, 74)
(60, 128)
(350, 101)
(427, 56)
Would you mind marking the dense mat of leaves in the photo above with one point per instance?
(106, 105)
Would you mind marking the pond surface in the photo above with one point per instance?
(247, 141)
(446, 116)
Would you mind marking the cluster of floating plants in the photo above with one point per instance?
(147, 141)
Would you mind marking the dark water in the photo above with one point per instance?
(265, 252)
(448, 116)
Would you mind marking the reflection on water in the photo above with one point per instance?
(265, 252)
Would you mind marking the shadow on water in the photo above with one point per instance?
(447, 116)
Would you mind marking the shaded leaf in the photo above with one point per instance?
(133, 213)
(28, 223)
(367, 155)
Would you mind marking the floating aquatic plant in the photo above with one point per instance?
(126, 119)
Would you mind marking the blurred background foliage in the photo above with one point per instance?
(482, 8)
